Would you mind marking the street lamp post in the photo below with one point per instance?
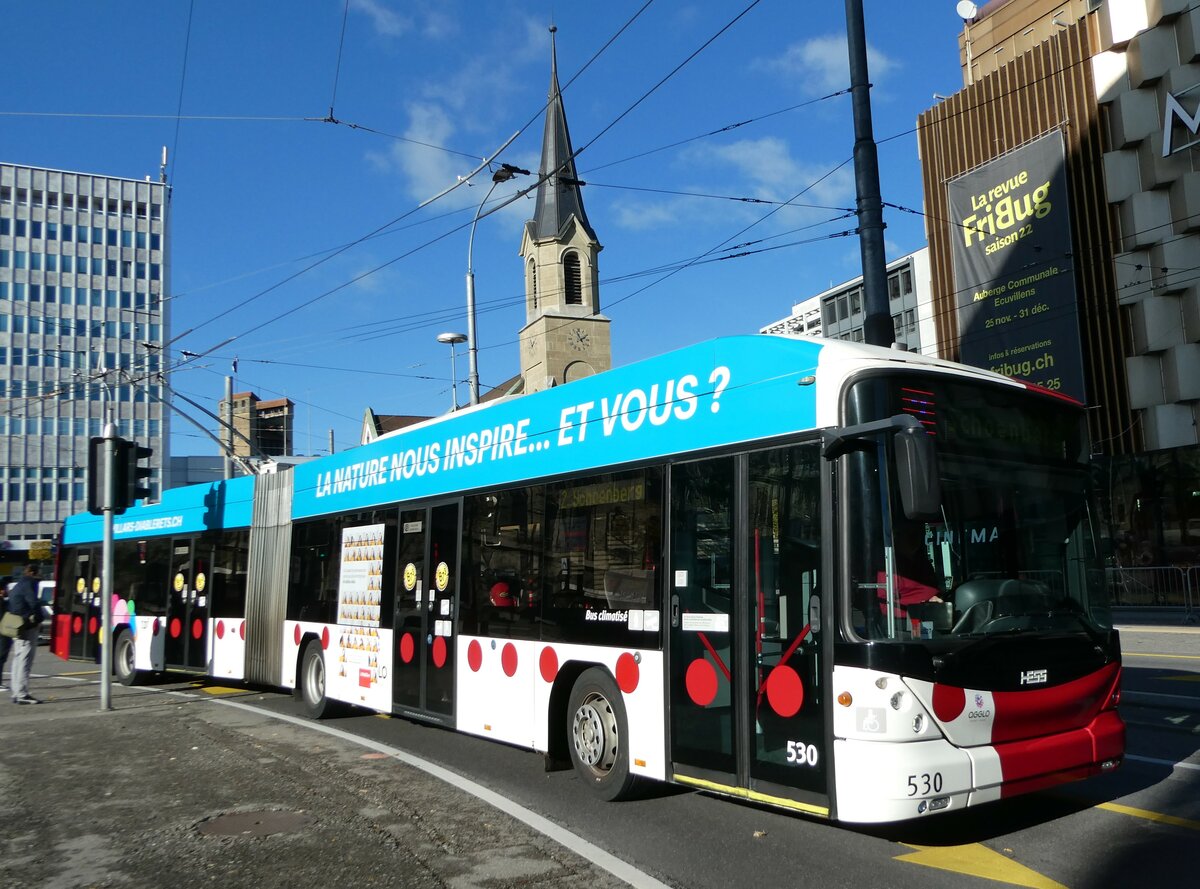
(453, 339)
(506, 172)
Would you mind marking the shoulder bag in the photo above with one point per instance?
(11, 624)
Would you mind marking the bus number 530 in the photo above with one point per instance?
(925, 783)
(801, 754)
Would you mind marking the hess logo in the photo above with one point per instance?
(1033, 677)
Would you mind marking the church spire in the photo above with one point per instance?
(565, 337)
(558, 195)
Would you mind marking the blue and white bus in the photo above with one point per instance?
(690, 569)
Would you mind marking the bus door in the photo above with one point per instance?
(81, 572)
(427, 569)
(186, 644)
(747, 688)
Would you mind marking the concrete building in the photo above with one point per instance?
(838, 313)
(1116, 83)
(83, 269)
(260, 428)
(1147, 78)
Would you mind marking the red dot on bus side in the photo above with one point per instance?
(474, 655)
(406, 648)
(77, 625)
(154, 627)
(439, 652)
(548, 664)
(242, 630)
(92, 625)
(701, 682)
(785, 691)
(948, 702)
(325, 638)
(175, 628)
(508, 659)
(296, 634)
(220, 629)
(197, 628)
(628, 673)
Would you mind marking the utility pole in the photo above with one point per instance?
(878, 329)
(229, 427)
(106, 564)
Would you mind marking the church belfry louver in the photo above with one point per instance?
(565, 337)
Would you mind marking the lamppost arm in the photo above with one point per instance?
(472, 350)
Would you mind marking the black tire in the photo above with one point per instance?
(123, 660)
(310, 684)
(597, 736)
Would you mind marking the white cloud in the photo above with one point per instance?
(646, 216)
(457, 111)
(386, 21)
(821, 65)
(769, 172)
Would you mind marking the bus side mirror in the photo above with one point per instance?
(917, 474)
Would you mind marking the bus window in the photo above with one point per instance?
(502, 558)
(313, 593)
(602, 557)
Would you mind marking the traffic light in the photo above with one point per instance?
(130, 472)
(128, 475)
(97, 476)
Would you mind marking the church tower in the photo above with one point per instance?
(565, 337)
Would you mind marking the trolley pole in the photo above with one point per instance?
(878, 329)
(106, 564)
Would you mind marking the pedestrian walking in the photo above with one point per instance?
(23, 600)
(5, 642)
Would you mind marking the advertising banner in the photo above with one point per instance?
(1014, 267)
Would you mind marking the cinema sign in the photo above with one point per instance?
(1172, 111)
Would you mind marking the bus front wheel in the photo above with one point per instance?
(123, 660)
(597, 735)
(311, 685)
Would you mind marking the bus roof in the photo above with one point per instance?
(726, 391)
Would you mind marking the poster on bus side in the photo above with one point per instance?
(1014, 277)
(360, 597)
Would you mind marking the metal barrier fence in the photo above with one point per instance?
(1165, 586)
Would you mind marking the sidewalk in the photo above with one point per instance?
(1167, 617)
(178, 790)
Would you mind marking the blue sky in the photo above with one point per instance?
(264, 189)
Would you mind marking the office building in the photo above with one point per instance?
(838, 313)
(83, 270)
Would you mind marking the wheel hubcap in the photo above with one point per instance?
(316, 680)
(594, 734)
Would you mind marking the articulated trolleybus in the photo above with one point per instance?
(848, 581)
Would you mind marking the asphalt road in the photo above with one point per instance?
(127, 804)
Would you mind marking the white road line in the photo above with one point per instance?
(1164, 762)
(620, 869)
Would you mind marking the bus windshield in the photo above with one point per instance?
(1015, 547)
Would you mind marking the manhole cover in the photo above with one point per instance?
(253, 824)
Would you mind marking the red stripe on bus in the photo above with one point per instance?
(1041, 762)
(1032, 713)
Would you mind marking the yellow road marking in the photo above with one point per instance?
(1179, 657)
(1161, 818)
(80, 673)
(1183, 677)
(220, 690)
(977, 860)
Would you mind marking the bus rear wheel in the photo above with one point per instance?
(123, 660)
(311, 685)
(597, 735)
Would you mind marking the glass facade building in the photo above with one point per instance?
(83, 321)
